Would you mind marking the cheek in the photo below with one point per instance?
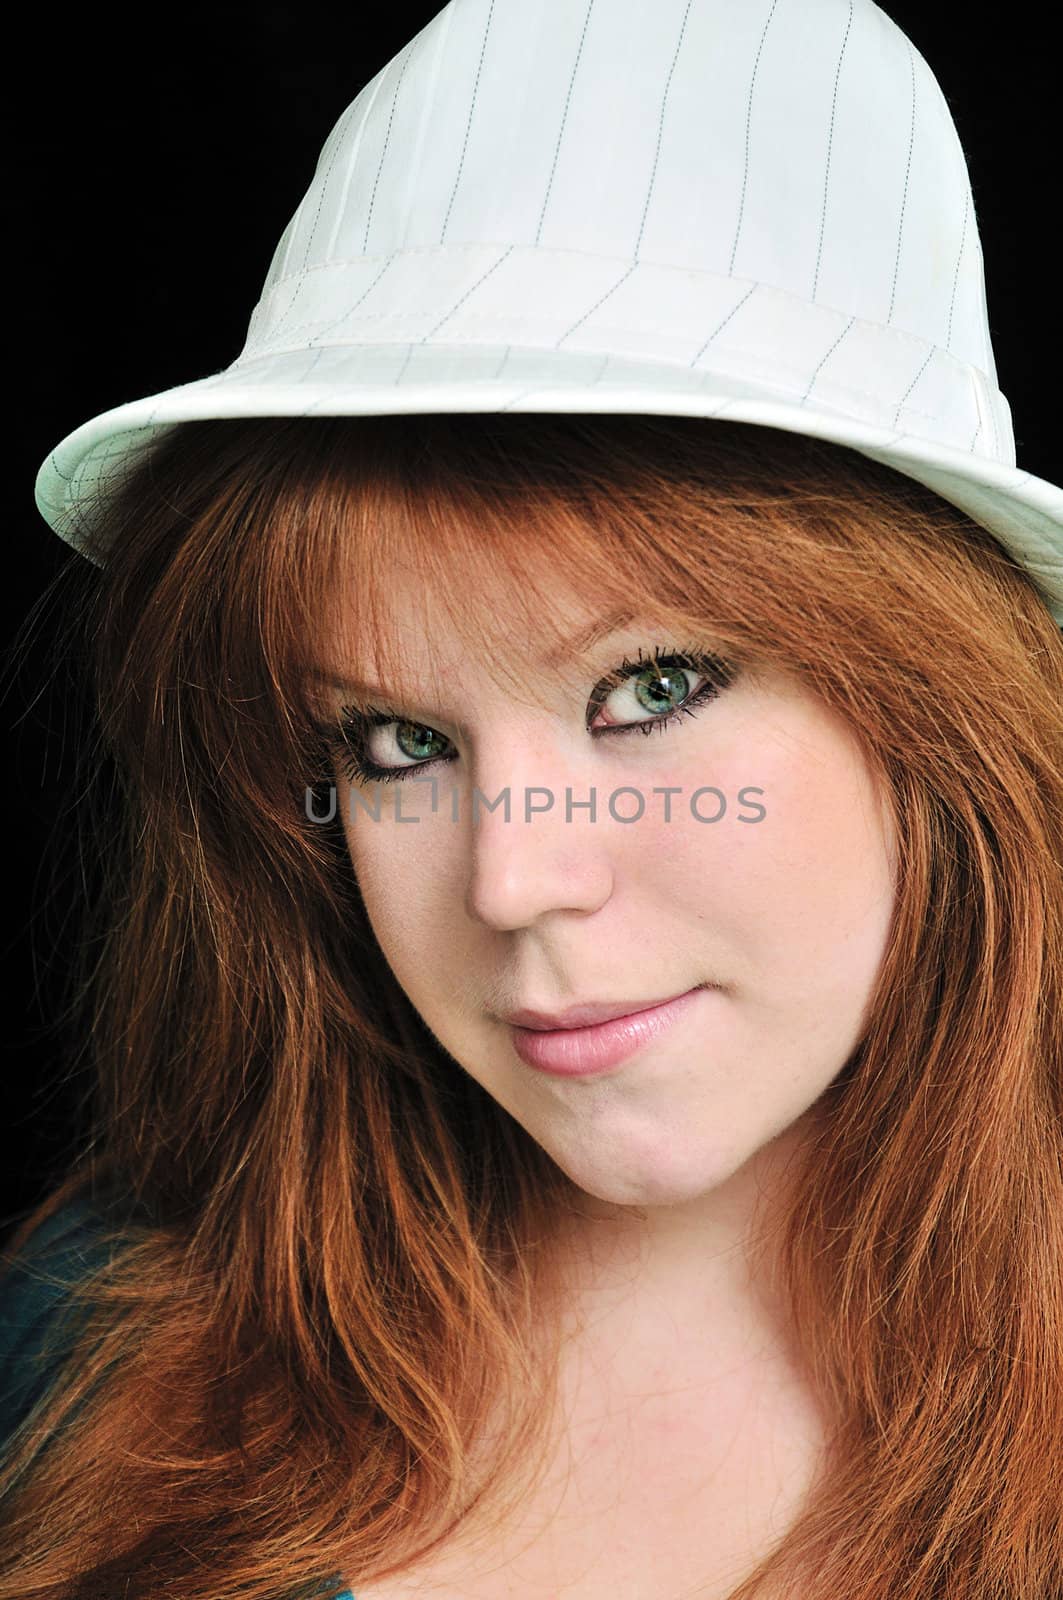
(802, 897)
(410, 888)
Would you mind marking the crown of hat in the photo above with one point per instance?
(744, 183)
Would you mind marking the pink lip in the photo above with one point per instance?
(576, 1052)
(582, 1016)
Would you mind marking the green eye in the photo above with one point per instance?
(660, 684)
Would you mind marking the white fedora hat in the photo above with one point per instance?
(755, 210)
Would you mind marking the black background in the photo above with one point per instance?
(138, 135)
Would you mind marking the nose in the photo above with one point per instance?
(549, 855)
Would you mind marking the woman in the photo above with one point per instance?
(369, 1277)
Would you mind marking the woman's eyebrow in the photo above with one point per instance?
(571, 649)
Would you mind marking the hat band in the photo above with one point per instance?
(759, 336)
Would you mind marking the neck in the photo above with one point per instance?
(696, 1279)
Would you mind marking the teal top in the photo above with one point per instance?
(31, 1311)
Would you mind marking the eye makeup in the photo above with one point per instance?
(349, 736)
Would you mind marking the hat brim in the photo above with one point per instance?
(1024, 512)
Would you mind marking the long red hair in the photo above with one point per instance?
(325, 1278)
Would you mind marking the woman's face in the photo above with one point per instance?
(783, 903)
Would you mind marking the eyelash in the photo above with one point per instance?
(356, 720)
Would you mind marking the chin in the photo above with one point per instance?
(652, 1188)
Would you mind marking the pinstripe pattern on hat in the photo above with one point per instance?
(749, 209)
